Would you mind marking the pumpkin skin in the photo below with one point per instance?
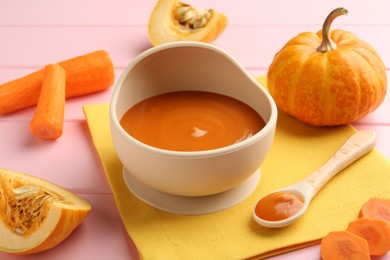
(329, 88)
(164, 25)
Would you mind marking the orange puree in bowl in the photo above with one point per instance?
(191, 121)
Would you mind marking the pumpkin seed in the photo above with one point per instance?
(192, 18)
(18, 231)
(24, 189)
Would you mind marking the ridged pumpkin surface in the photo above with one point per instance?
(329, 88)
(172, 21)
(36, 215)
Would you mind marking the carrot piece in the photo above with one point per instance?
(85, 74)
(375, 231)
(341, 245)
(48, 119)
(377, 208)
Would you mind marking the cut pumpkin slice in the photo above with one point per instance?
(172, 21)
(36, 215)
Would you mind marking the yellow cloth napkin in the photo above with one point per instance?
(298, 150)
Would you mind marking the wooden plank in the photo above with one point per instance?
(70, 161)
(127, 13)
(252, 46)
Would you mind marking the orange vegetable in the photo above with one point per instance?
(375, 231)
(377, 208)
(36, 215)
(341, 245)
(84, 74)
(372, 227)
(48, 119)
(329, 78)
(172, 20)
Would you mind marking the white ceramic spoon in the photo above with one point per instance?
(355, 147)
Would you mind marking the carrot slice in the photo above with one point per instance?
(375, 231)
(85, 74)
(378, 208)
(48, 119)
(341, 245)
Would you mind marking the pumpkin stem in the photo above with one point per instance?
(327, 44)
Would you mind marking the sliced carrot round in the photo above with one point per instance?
(341, 245)
(375, 231)
(378, 208)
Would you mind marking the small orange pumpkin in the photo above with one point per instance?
(329, 78)
(172, 20)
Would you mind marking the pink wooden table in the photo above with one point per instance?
(35, 33)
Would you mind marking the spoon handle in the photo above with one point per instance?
(355, 147)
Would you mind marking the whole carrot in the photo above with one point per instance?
(85, 74)
(48, 119)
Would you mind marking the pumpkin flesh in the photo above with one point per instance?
(164, 25)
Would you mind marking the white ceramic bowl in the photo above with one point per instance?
(182, 66)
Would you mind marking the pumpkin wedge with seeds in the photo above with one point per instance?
(36, 215)
(172, 21)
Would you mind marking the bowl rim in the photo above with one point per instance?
(114, 121)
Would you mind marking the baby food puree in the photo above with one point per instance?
(191, 121)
